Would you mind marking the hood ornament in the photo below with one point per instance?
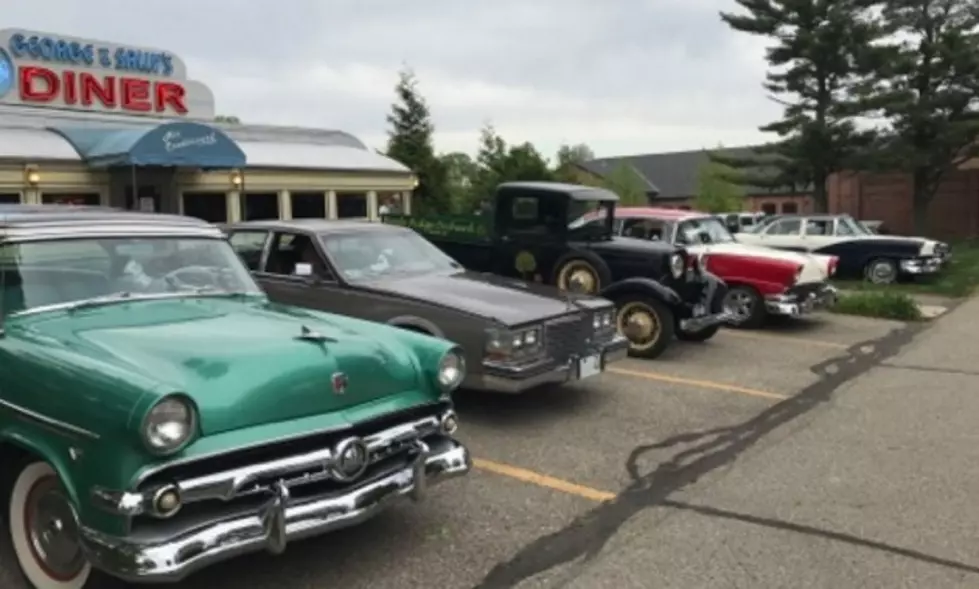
(307, 334)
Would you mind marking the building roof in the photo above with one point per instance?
(674, 173)
(26, 133)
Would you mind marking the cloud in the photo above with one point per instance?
(625, 77)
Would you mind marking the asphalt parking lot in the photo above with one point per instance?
(562, 473)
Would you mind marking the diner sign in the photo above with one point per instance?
(70, 73)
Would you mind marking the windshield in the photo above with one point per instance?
(64, 272)
(589, 217)
(703, 230)
(369, 255)
(849, 226)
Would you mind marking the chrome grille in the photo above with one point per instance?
(567, 335)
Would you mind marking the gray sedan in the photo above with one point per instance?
(517, 335)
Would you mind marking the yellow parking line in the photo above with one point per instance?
(703, 384)
(787, 339)
(542, 480)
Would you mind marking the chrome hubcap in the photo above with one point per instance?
(881, 272)
(52, 531)
(740, 303)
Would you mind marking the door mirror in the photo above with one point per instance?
(303, 269)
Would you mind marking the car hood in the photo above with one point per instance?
(243, 363)
(508, 301)
(815, 267)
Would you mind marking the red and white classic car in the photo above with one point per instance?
(762, 281)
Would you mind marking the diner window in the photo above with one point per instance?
(259, 205)
(308, 205)
(351, 205)
(789, 208)
(208, 206)
(769, 208)
(8, 198)
(71, 198)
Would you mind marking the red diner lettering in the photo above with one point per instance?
(70, 87)
(170, 95)
(93, 89)
(38, 84)
(135, 94)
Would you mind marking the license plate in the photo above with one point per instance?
(589, 366)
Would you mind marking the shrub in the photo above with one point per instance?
(882, 305)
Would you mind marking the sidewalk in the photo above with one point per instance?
(867, 479)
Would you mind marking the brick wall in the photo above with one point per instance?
(953, 213)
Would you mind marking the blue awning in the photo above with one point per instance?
(179, 144)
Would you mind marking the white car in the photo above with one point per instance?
(881, 259)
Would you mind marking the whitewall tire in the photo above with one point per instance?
(42, 530)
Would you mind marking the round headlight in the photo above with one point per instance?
(531, 337)
(169, 425)
(607, 320)
(596, 321)
(452, 370)
(677, 265)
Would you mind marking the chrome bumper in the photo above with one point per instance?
(281, 519)
(699, 323)
(794, 305)
(920, 266)
(513, 380)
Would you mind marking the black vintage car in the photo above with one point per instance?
(516, 336)
(535, 231)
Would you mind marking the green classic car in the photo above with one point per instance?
(159, 414)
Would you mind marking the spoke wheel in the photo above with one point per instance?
(647, 323)
(578, 276)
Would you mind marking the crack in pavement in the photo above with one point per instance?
(820, 533)
(587, 535)
(918, 368)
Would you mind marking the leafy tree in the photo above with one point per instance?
(410, 142)
(716, 192)
(928, 92)
(625, 181)
(231, 120)
(817, 59)
(461, 174)
(569, 160)
(498, 162)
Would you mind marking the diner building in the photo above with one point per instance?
(91, 122)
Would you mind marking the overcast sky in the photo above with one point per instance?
(623, 76)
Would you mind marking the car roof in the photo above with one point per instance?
(21, 221)
(659, 213)
(574, 191)
(315, 225)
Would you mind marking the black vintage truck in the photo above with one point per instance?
(534, 231)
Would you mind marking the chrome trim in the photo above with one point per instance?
(145, 474)
(512, 380)
(922, 265)
(694, 324)
(336, 469)
(225, 485)
(50, 421)
(155, 501)
(282, 519)
(793, 305)
(134, 297)
(87, 229)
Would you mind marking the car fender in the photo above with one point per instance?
(412, 321)
(44, 450)
(644, 286)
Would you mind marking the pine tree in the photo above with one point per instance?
(410, 141)
(814, 63)
(928, 92)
